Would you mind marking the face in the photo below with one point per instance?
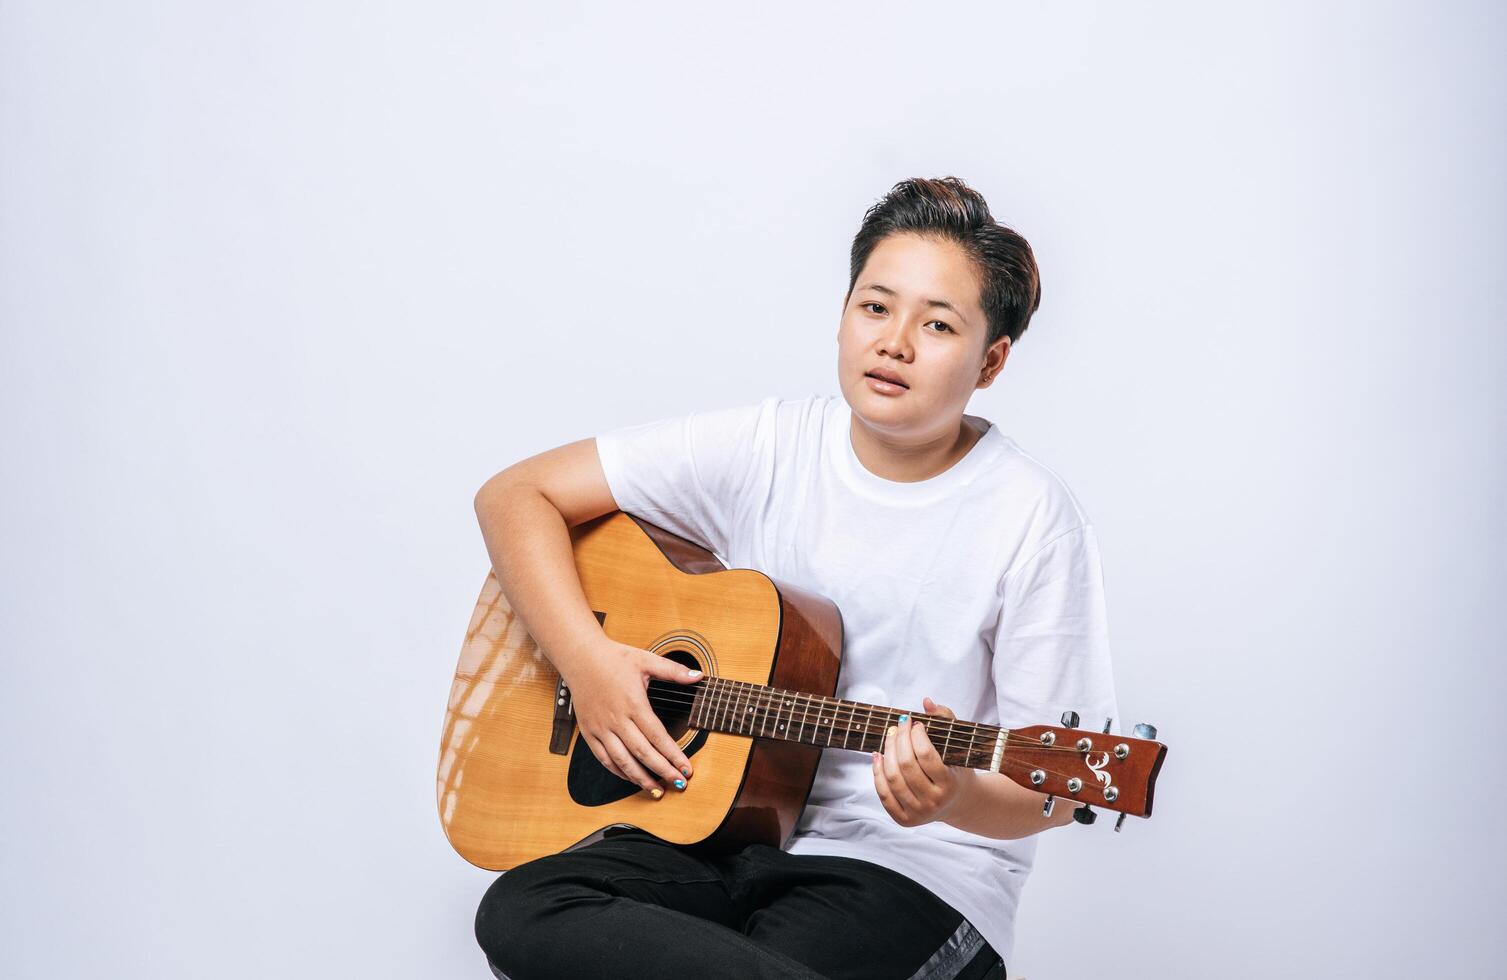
(892, 323)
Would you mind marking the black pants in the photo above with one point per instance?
(631, 905)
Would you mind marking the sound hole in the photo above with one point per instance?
(671, 701)
(591, 785)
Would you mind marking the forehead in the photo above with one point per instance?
(924, 268)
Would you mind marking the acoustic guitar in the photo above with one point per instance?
(516, 781)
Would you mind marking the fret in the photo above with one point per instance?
(760, 711)
(973, 747)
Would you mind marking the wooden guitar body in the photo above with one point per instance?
(516, 781)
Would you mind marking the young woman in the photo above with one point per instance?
(969, 583)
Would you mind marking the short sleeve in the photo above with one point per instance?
(685, 473)
(1051, 646)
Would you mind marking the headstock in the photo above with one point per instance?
(1116, 772)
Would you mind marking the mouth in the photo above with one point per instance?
(887, 379)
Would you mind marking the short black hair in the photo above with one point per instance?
(948, 209)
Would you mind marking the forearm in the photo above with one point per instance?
(993, 805)
(532, 557)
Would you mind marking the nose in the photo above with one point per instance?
(894, 340)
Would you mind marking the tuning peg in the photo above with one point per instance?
(1145, 731)
(1070, 719)
(1119, 822)
(1107, 723)
(1046, 808)
(1085, 814)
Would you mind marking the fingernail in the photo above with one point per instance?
(904, 719)
(695, 673)
(656, 792)
(680, 784)
(685, 771)
(894, 729)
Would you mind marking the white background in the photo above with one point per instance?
(282, 284)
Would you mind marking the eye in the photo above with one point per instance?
(944, 326)
(867, 305)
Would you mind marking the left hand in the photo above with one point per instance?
(913, 782)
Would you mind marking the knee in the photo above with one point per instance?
(498, 916)
(514, 912)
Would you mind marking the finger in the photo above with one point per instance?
(668, 670)
(654, 730)
(932, 708)
(910, 767)
(647, 754)
(629, 765)
(600, 751)
(933, 769)
(882, 787)
(896, 779)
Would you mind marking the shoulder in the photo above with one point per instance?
(1033, 499)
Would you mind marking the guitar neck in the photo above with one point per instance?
(739, 708)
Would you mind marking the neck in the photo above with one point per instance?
(739, 708)
(913, 463)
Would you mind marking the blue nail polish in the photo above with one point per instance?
(904, 719)
(685, 771)
(680, 784)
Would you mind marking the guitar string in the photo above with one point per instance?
(845, 716)
(968, 751)
(766, 697)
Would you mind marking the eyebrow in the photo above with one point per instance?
(930, 303)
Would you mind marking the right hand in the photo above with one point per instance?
(609, 694)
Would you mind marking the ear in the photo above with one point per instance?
(994, 361)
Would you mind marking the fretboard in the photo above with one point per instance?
(739, 708)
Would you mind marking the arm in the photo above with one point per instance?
(917, 787)
(993, 805)
(526, 513)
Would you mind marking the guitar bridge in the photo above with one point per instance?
(565, 721)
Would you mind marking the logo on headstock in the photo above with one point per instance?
(1098, 768)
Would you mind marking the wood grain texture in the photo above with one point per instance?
(501, 793)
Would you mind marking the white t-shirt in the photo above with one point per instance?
(980, 587)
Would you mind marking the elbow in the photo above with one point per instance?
(493, 490)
